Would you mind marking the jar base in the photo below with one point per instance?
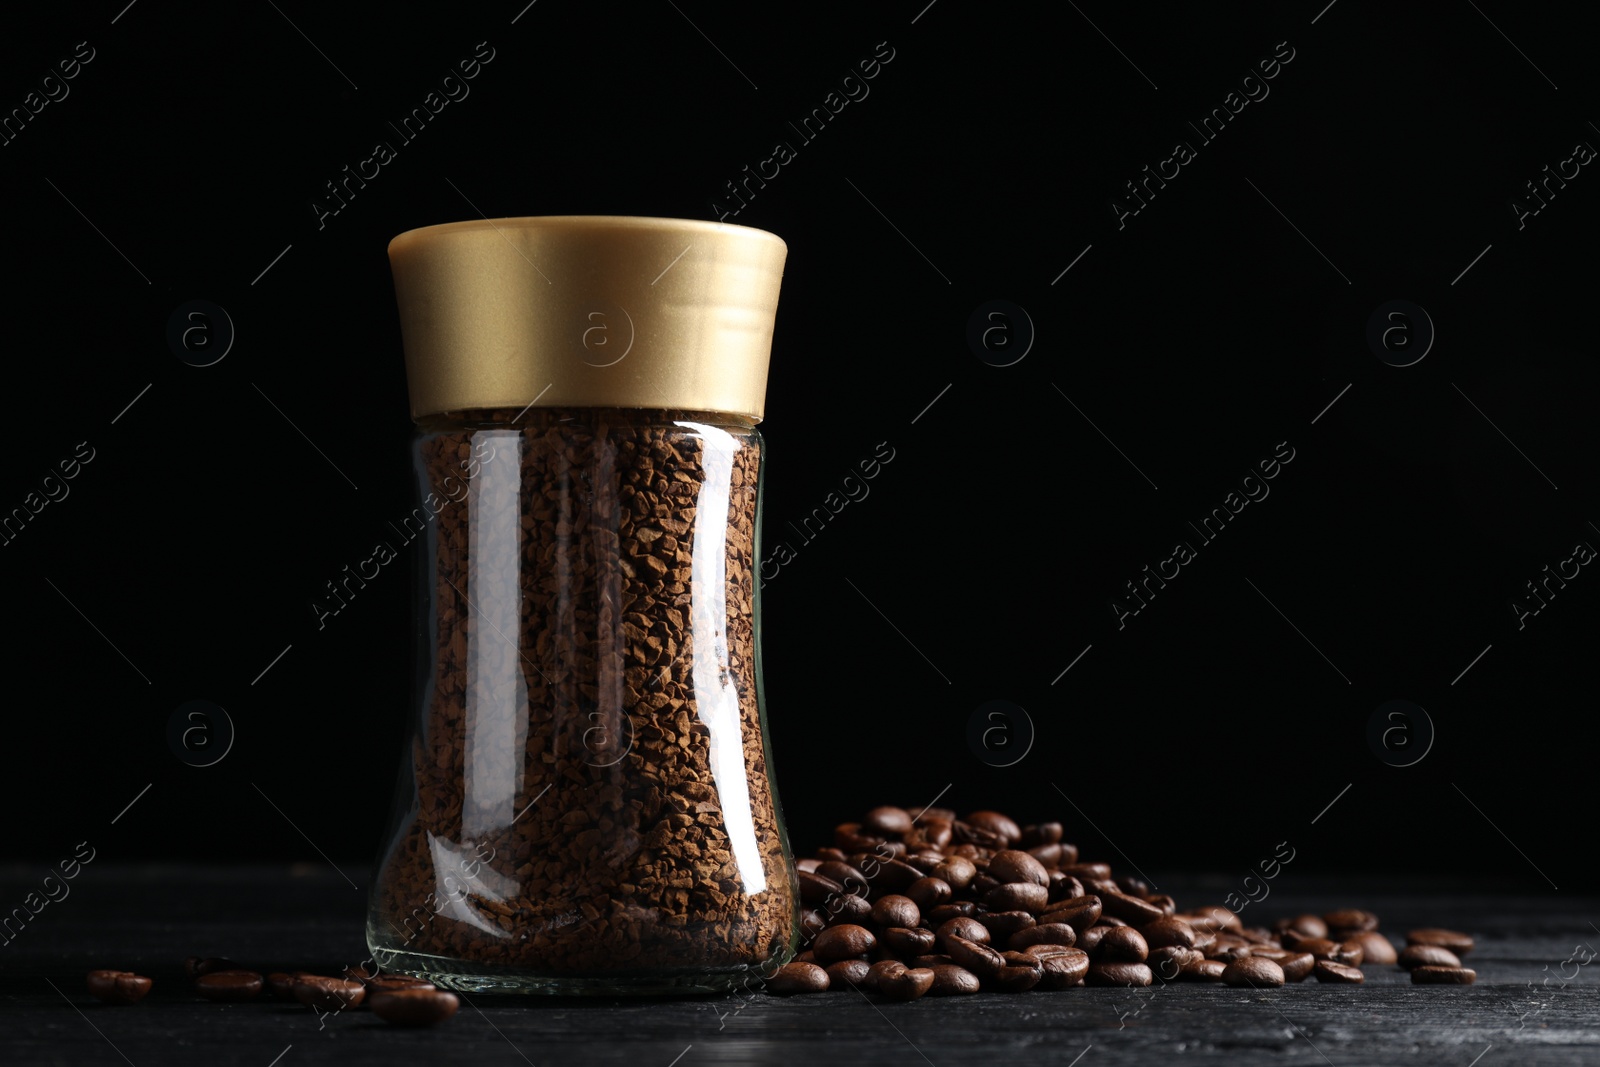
(467, 977)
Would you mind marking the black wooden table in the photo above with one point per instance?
(1536, 1002)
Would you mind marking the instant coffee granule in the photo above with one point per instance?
(591, 790)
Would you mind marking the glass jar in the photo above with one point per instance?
(586, 802)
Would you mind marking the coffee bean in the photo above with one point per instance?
(901, 983)
(1320, 947)
(930, 959)
(1413, 956)
(887, 821)
(389, 983)
(1203, 971)
(1122, 944)
(812, 922)
(815, 889)
(935, 833)
(1376, 948)
(1048, 855)
(847, 877)
(229, 985)
(1351, 952)
(1169, 930)
(1017, 896)
(1297, 965)
(896, 910)
(1064, 969)
(843, 942)
(847, 972)
(1113, 974)
(1085, 871)
(1258, 935)
(1253, 971)
(280, 985)
(1020, 973)
(847, 908)
(414, 1007)
(1089, 940)
(930, 892)
(195, 966)
(360, 973)
(1002, 924)
(1338, 973)
(956, 871)
(1229, 951)
(1309, 925)
(908, 941)
(805, 957)
(1131, 910)
(971, 929)
(1458, 943)
(324, 994)
(1165, 962)
(951, 980)
(118, 987)
(794, 978)
(1045, 934)
(1009, 865)
(998, 824)
(981, 960)
(1430, 975)
(1350, 921)
(1080, 913)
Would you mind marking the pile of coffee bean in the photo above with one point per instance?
(400, 999)
(941, 905)
(590, 737)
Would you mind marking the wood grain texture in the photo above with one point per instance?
(149, 919)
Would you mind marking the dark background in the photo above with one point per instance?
(983, 163)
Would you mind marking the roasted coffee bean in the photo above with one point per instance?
(1122, 944)
(943, 814)
(893, 876)
(1309, 925)
(1009, 865)
(1101, 887)
(843, 942)
(1376, 947)
(1228, 951)
(805, 957)
(887, 821)
(1413, 956)
(1259, 935)
(971, 929)
(1430, 975)
(414, 1007)
(1064, 887)
(1086, 871)
(997, 823)
(1169, 930)
(1297, 965)
(1204, 941)
(1044, 833)
(924, 860)
(1213, 917)
(1350, 952)
(360, 973)
(1253, 971)
(1048, 855)
(1046, 934)
(389, 983)
(195, 966)
(229, 985)
(1167, 961)
(1063, 969)
(847, 908)
(812, 922)
(280, 985)
(1338, 973)
(847, 877)
(1020, 973)
(908, 941)
(930, 892)
(936, 832)
(850, 837)
(816, 890)
(1350, 921)
(1131, 910)
(976, 836)
(1080, 913)
(1089, 940)
(899, 982)
(951, 980)
(831, 853)
(956, 871)
(324, 994)
(1320, 947)
(1134, 974)
(981, 960)
(118, 987)
(794, 978)
(1458, 943)
(896, 910)
(847, 972)
(1203, 971)
(1017, 896)
(1002, 924)
(982, 883)
(931, 959)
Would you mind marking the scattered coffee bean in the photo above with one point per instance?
(1009, 865)
(896, 910)
(1042, 934)
(414, 1007)
(118, 987)
(1169, 930)
(1329, 971)
(971, 929)
(1431, 975)
(1296, 965)
(1204, 971)
(798, 978)
(229, 985)
(886, 821)
(1413, 956)
(1255, 971)
(1020, 973)
(908, 941)
(1122, 944)
(1134, 974)
(1377, 948)
(950, 980)
(1459, 943)
(843, 942)
(390, 983)
(324, 994)
(981, 960)
(1350, 921)
(847, 972)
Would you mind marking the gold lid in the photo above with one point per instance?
(587, 311)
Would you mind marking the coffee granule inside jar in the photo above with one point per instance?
(591, 795)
